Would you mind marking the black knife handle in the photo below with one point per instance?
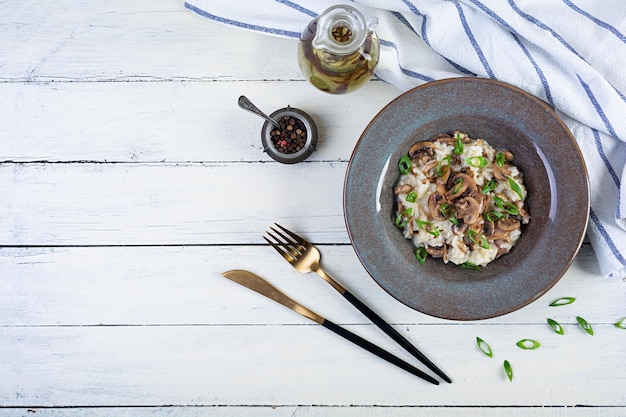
(378, 351)
(393, 333)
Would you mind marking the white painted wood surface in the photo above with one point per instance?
(129, 179)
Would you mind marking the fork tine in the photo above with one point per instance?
(285, 243)
(294, 236)
(289, 257)
(289, 240)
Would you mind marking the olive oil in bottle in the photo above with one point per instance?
(338, 50)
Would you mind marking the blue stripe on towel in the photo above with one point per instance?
(542, 77)
(596, 135)
(597, 21)
(406, 23)
(516, 36)
(609, 168)
(607, 163)
(606, 237)
(416, 12)
(243, 25)
(405, 71)
(597, 106)
(297, 7)
(543, 26)
(470, 35)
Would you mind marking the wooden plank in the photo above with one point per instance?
(113, 286)
(119, 40)
(301, 365)
(322, 410)
(124, 204)
(171, 121)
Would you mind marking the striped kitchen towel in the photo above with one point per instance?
(570, 53)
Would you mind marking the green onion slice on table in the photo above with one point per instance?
(508, 370)
(621, 323)
(556, 327)
(585, 325)
(563, 301)
(528, 344)
(484, 347)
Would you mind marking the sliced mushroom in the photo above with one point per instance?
(421, 148)
(434, 206)
(459, 228)
(461, 184)
(493, 232)
(430, 170)
(508, 224)
(442, 180)
(468, 209)
(403, 189)
(501, 173)
(436, 252)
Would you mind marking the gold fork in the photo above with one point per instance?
(305, 257)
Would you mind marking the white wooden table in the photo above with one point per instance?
(130, 179)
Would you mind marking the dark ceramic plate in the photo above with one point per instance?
(507, 118)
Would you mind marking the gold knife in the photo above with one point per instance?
(258, 284)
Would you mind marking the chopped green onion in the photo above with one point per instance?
(508, 370)
(621, 323)
(528, 344)
(515, 187)
(469, 265)
(585, 325)
(443, 209)
(477, 161)
(421, 255)
(404, 164)
(476, 238)
(484, 347)
(563, 301)
(506, 206)
(490, 186)
(500, 159)
(428, 227)
(458, 183)
(458, 146)
(556, 327)
(403, 218)
(492, 216)
(454, 220)
(440, 165)
(411, 197)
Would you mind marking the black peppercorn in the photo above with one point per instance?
(291, 136)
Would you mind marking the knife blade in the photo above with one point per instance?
(261, 286)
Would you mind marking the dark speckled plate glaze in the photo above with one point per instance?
(507, 118)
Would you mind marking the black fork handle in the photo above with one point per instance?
(378, 351)
(393, 333)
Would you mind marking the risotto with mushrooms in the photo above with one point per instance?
(460, 199)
